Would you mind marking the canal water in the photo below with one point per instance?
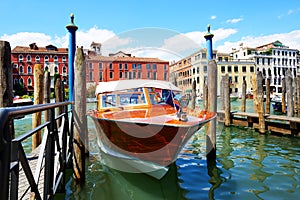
(248, 166)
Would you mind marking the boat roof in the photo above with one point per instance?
(119, 85)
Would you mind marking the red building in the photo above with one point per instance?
(124, 66)
(23, 58)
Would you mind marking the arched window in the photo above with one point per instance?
(28, 58)
(37, 59)
(64, 59)
(46, 59)
(29, 82)
(56, 69)
(29, 70)
(46, 68)
(21, 69)
(64, 69)
(16, 81)
(20, 58)
(55, 58)
(21, 81)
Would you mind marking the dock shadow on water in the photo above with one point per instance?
(248, 166)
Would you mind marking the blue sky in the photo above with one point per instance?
(174, 26)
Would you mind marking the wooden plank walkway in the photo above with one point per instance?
(24, 191)
(274, 123)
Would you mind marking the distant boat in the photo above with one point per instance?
(22, 102)
(134, 128)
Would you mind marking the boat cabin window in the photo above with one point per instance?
(123, 98)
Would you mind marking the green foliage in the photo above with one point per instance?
(19, 89)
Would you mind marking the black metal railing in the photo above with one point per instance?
(54, 152)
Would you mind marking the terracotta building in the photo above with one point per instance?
(23, 58)
(120, 66)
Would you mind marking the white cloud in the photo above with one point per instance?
(213, 17)
(234, 21)
(26, 38)
(291, 39)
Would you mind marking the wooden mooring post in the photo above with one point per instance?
(268, 93)
(244, 88)
(289, 94)
(80, 120)
(227, 115)
(212, 97)
(6, 100)
(283, 98)
(38, 99)
(298, 95)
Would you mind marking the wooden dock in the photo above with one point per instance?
(279, 124)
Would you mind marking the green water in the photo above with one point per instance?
(248, 166)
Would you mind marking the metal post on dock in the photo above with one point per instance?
(6, 100)
(212, 96)
(80, 120)
(72, 28)
(38, 99)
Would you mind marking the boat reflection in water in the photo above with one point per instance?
(141, 127)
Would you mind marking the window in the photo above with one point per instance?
(64, 59)
(236, 79)
(251, 69)
(21, 69)
(244, 78)
(16, 81)
(154, 66)
(20, 58)
(120, 75)
(29, 70)
(55, 59)
(37, 59)
(15, 66)
(28, 58)
(46, 68)
(205, 69)
(133, 66)
(91, 76)
(133, 75)
(139, 66)
(236, 69)
(126, 66)
(111, 75)
(148, 67)
(154, 75)
(130, 75)
(223, 69)
(149, 75)
(165, 76)
(100, 76)
(244, 69)
(120, 66)
(21, 81)
(46, 59)
(126, 74)
(203, 55)
(56, 69)
(139, 75)
(229, 68)
(29, 82)
(165, 67)
(110, 66)
(64, 70)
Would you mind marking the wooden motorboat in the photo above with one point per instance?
(140, 123)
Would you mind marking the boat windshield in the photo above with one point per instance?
(130, 97)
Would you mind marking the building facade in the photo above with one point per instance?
(120, 66)
(194, 68)
(54, 60)
(273, 60)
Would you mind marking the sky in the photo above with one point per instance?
(166, 29)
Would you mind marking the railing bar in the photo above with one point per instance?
(30, 133)
(41, 157)
(28, 173)
(24, 110)
(57, 181)
(60, 116)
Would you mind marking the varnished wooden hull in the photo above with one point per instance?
(157, 139)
